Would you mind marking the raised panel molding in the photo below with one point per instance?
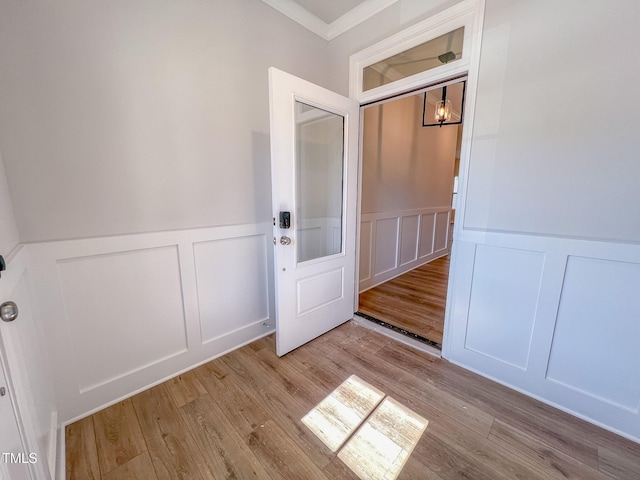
(127, 312)
(441, 235)
(228, 273)
(392, 243)
(599, 307)
(552, 317)
(386, 245)
(502, 308)
(427, 232)
(366, 249)
(117, 305)
(318, 291)
(409, 233)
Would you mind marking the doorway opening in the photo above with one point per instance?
(410, 166)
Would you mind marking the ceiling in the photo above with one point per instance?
(329, 10)
(329, 18)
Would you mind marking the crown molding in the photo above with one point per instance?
(300, 15)
(346, 22)
(356, 16)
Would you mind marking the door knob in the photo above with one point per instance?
(285, 240)
(8, 311)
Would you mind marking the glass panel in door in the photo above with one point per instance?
(319, 181)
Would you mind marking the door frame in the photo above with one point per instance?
(470, 14)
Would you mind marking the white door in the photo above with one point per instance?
(11, 448)
(314, 151)
(28, 402)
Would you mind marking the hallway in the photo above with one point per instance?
(414, 301)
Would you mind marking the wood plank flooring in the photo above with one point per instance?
(414, 301)
(238, 417)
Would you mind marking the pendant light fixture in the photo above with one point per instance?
(443, 108)
(446, 111)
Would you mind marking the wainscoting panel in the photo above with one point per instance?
(112, 302)
(126, 312)
(553, 317)
(441, 238)
(600, 308)
(409, 239)
(386, 245)
(392, 243)
(366, 243)
(427, 231)
(503, 301)
(244, 261)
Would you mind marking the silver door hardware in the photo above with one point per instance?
(8, 311)
(285, 240)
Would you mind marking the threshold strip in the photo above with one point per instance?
(401, 331)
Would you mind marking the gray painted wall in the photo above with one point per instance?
(405, 166)
(555, 147)
(8, 229)
(121, 117)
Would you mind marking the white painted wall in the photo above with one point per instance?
(9, 230)
(124, 117)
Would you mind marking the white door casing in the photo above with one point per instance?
(316, 294)
(468, 14)
(27, 382)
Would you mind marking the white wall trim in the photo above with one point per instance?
(161, 380)
(353, 17)
(71, 280)
(548, 298)
(389, 248)
(464, 14)
(558, 405)
(356, 16)
(300, 15)
(470, 13)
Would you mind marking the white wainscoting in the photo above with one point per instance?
(556, 318)
(392, 243)
(126, 312)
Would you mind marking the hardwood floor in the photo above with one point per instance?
(239, 417)
(414, 301)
